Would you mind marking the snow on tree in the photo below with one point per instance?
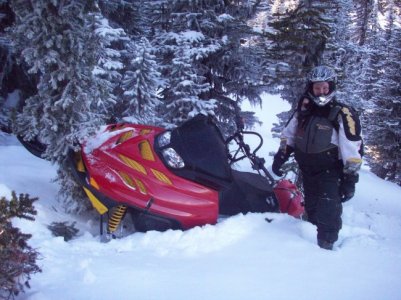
(182, 97)
(295, 45)
(140, 83)
(384, 119)
(17, 258)
(123, 14)
(58, 43)
(68, 48)
(109, 66)
(6, 63)
(238, 74)
(182, 46)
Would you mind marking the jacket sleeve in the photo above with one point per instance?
(288, 133)
(349, 140)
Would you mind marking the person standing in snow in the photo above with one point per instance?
(325, 136)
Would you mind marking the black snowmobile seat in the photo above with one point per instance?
(249, 192)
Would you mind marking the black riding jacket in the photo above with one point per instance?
(324, 137)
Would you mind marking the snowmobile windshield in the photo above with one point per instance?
(200, 145)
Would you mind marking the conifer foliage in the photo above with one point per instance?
(384, 115)
(17, 258)
(140, 82)
(183, 44)
(296, 44)
(69, 54)
(65, 229)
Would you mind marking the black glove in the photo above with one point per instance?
(305, 105)
(347, 187)
(279, 159)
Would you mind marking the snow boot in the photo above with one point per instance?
(325, 244)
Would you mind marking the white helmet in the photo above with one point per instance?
(322, 74)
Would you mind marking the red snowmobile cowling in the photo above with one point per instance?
(289, 197)
(126, 169)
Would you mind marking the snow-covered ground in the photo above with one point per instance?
(242, 257)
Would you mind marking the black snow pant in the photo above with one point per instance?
(323, 203)
(321, 175)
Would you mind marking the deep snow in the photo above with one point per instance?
(242, 257)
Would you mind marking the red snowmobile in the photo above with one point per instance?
(176, 179)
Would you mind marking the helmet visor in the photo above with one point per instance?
(323, 100)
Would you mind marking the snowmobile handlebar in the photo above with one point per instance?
(258, 163)
(244, 148)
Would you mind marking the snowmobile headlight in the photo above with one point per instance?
(164, 139)
(172, 158)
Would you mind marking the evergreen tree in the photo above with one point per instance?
(238, 74)
(361, 82)
(182, 96)
(360, 19)
(69, 48)
(62, 52)
(140, 84)
(123, 14)
(109, 45)
(17, 258)
(181, 47)
(6, 62)
(295, 45)
(383, 121)
(206, 40)
(338, 45)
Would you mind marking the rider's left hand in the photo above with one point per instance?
(347, 187)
